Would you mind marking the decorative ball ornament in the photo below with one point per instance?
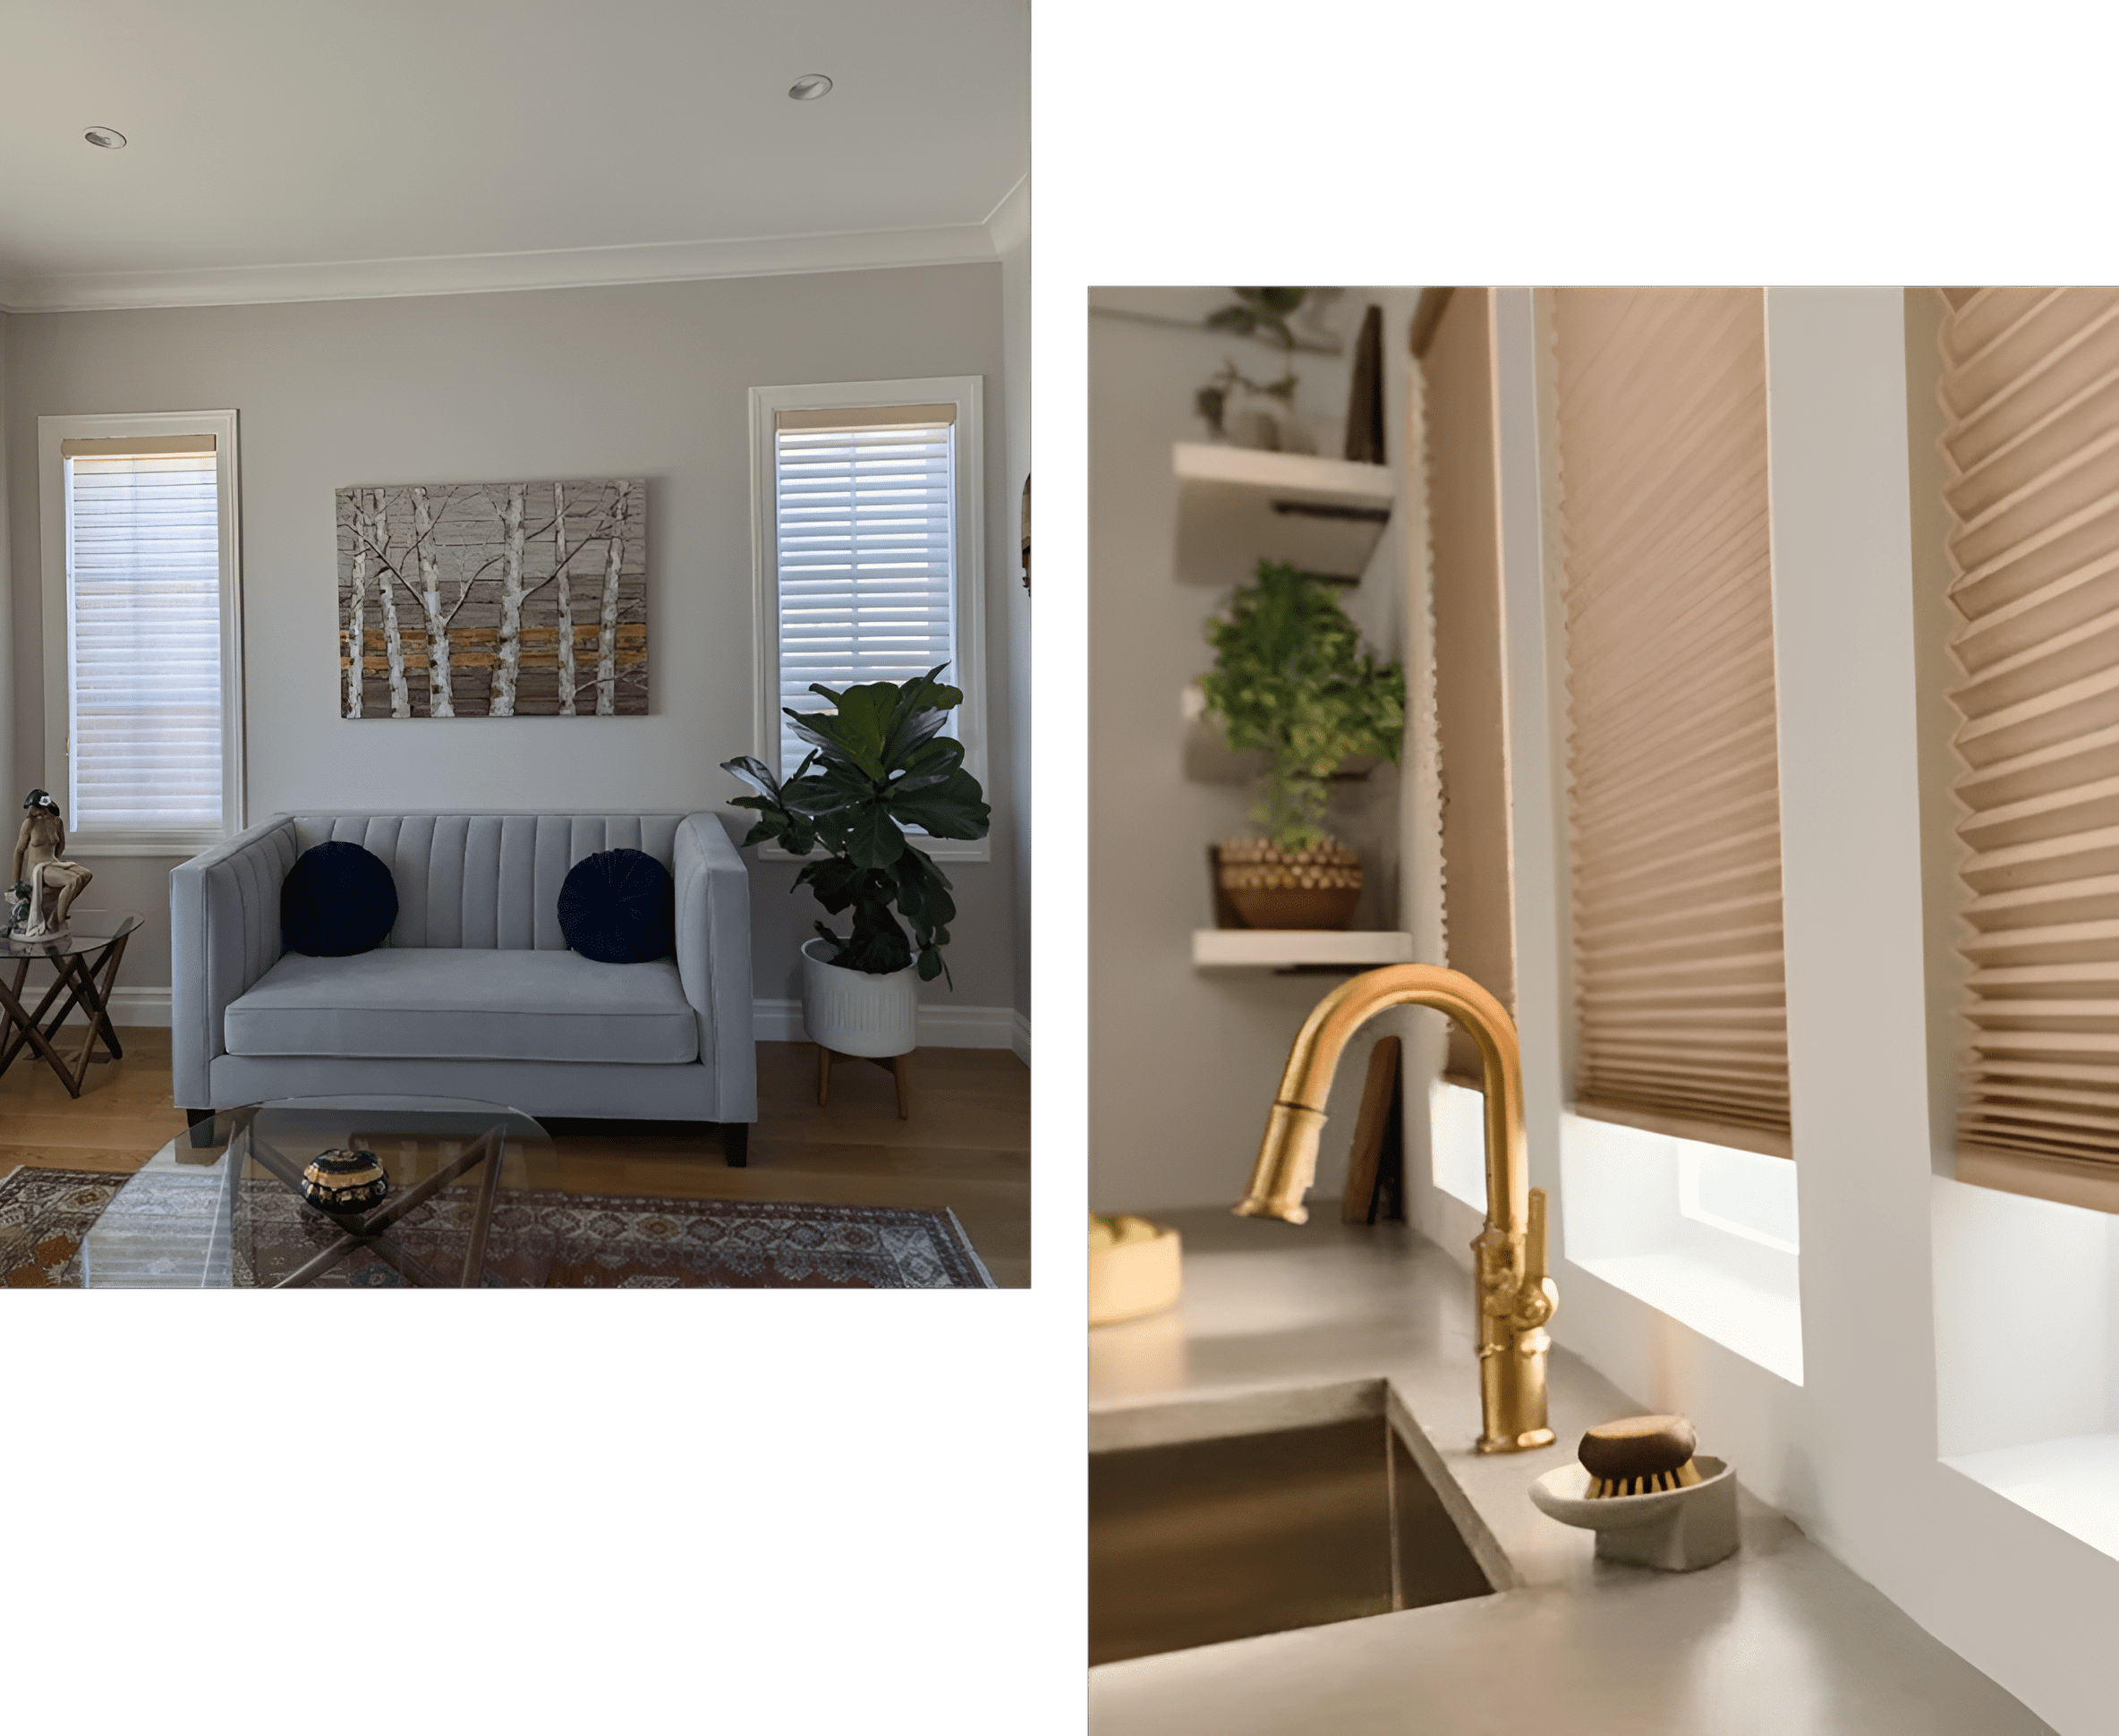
(344, 1180)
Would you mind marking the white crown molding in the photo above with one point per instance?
(1008, 222)
(473, 274)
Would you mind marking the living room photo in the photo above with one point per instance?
(518, 654)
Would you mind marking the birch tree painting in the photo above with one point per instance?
(493, 600)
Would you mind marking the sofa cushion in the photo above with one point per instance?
(465, 1004)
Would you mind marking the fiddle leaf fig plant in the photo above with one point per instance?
(880, 765)
(1290, 678)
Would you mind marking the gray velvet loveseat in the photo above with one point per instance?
(475, 993)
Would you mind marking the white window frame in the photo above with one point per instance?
(51, 432)
(966, 392)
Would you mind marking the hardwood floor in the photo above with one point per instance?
(966, 1147)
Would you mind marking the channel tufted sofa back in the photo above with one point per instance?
(486, 879)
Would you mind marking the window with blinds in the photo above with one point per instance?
(143, 636)
(1674, 800)
(865, 540)
(2030, 392)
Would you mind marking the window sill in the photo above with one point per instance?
(937, 850)
(143, 844)
(1761, 1325)
(2072, 1483)
(1624, 1201)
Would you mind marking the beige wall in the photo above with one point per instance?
(1183, 1063)
(646, 379)
(1015, 296)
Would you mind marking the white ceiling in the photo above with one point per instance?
(296, 149)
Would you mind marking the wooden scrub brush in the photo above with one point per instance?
(1638, 1456)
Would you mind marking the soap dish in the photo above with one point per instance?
(1674, 1529)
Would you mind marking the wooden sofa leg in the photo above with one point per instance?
(736, 1144)
(196, 1118)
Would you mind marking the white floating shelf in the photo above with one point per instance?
(1284, 947)
(1236, 506)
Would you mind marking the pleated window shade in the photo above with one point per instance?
(2030, 450)
(1674, 804)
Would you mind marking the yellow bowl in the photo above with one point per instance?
(1136, 1278)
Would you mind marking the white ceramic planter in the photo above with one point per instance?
(853, 1013)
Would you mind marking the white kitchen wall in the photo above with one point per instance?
(638, 380)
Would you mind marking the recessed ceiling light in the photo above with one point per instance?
(108, 136)
(809, 87)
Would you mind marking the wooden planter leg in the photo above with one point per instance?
(894, 1065)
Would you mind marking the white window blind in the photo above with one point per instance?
(143, 619)
(2029, 393)
(865, 553)
(1675, 806)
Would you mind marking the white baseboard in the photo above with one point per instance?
(140, 1007)
(940, 1027)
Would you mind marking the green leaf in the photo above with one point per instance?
(757, 774)
(1290, 679)
(858, 726)
(952, 808)
(879, 949)
(873, 838)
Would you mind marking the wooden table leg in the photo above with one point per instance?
(474, 1257)
(31, 1030)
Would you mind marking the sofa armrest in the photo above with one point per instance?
(224, 935)
(713, 959)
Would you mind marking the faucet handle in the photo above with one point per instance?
(1538, 1299)
(1534, 1268)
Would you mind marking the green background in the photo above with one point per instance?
(863, 1513)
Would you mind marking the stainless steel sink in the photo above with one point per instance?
(1220, 1521)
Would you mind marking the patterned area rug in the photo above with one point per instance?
(541, 1240)
(44, 1213)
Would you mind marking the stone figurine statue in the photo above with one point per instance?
(45, 884)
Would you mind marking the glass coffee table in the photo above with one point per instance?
(220, 1207)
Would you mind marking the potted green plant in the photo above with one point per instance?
(1291, 681)
(879, 767)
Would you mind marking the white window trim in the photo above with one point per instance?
(51, 430)
(967, 392)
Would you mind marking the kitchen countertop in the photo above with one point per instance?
(1780, 1640)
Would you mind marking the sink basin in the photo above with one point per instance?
(1224, 1519)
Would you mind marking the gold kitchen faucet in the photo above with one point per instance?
(1516, 1298)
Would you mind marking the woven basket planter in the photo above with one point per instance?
(1257, 886)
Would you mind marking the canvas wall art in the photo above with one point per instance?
(493, 600)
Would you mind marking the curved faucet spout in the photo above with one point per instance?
(1516, 1298)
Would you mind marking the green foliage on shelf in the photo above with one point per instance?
(1290, 677)
(882, 765)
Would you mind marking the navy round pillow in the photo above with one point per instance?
(619, 908)
(336, 899)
